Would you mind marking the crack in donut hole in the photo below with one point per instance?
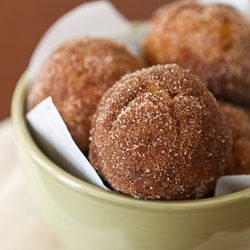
(128, 94)
(171, 95)
(147, 109)
(139, 98)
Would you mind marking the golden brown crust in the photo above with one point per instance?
(238, 120)
(76, 75)
(158, 133)
(211, 41)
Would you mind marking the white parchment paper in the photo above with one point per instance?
(50, 131)
(100, 19)
(231, 184)
(242, 6)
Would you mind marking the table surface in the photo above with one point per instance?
(22, 23)
(21, 226)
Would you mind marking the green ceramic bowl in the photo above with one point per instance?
(83, 216)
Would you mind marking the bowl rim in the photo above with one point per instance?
(22, 134)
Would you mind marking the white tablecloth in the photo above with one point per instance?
(21, 227)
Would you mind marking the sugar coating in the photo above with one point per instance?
(238, 119)
(76, 75)
(158, 134)
(211, 41)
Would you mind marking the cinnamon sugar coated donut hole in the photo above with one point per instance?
(76, 75)
(211, 41)
(158, 134)
(238, 120)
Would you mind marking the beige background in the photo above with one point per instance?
(23, 22)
